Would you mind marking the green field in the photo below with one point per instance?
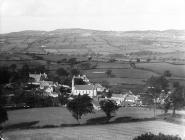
(123, 125)
(176, 70)
(122, 73)
(60, 115)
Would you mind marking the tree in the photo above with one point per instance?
(89, 58)
(86, 65)
(138, 60)
(25, 72)
(75, 72)
(160, 136)
(105, 84)
(80, 105)
(167, 73)
(159, 83)
(177, 97)
(62, 72)
(13, 67)
(72, 61)
(112, 60)
(4, 75)
(109, 73)
(155, 85)
(3, 115)
(79, 81)
(148, 60)
(132, 64)
(109, 107)
(64, 96)
(39, 69)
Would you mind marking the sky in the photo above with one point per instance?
(114, 15)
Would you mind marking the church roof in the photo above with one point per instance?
(84, 87)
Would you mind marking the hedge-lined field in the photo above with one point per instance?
(125, 130)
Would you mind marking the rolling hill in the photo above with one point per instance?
(84, 41)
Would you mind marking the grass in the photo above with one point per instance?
(176, 70)
(122, 74)
(128, 123)
(57, 116)
(61, 116)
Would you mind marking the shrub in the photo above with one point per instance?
(160, 136)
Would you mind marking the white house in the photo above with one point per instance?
(99, 88)
(126, 99)
(38, 77)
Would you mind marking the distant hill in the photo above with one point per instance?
(84, 41)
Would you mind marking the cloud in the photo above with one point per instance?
(22, 8)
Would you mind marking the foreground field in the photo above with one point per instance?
(122, 131)
(122, 127)
(61, 116)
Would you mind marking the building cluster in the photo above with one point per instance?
(80, 85)
(49, 88)
(127, 99)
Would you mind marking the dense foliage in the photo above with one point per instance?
(160, 136)
(109, 107)
(3, 115)
(80, 105)
(177, 97)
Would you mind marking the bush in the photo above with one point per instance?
(160, 136)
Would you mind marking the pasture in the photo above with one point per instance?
(128, 123)
(176, 70)
(61, 116)
(122, 73)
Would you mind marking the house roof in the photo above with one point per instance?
(46, 83)
(98, 86)
(35, 76)
(131, 97)
(84, 87)
(118, 95)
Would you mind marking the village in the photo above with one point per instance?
(80, 85)
(92, 70)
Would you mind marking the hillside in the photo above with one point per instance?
(83, 41)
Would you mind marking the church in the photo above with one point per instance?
(83, 88)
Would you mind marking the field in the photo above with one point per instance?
(128, 123)
(176, 70)
(158, 44)
(61, 116)
(123, 76)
